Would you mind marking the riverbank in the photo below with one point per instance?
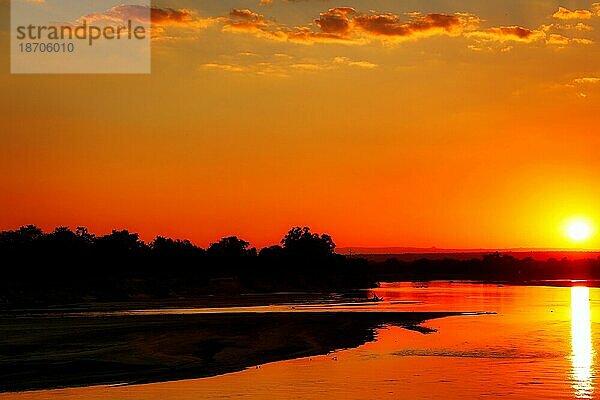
(67, 351)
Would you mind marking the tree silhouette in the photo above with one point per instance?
(272, 252)
(83, 233)
(120, 243)
(166, 247)
(231, 247)
(302, 242)
(22, 236)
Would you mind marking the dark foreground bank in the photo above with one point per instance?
(64, 351)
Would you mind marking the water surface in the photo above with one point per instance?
(539, 344)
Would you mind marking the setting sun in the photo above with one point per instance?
(579, 230)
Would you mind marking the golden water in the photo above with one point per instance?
(540, 344)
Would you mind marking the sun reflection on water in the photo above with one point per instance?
(582, 357)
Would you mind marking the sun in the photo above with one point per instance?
(579, 229)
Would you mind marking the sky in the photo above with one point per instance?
(416, 123)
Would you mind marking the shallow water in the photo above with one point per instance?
(539, 344)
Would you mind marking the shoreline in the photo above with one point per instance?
(52, 353)
(253, 299)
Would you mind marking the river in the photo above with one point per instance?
(536, 342)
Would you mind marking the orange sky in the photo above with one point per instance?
(460, 127)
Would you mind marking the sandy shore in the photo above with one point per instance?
(42, 352)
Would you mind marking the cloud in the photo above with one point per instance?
(566, 14)
(143, 14)
(310, 66)
(580, 26)
(245, 15)
(358, 64)
(223, 67)
(169, 16)
(247, 21)
(586, 80)
(283, 66)
(518, 34)
(336, 20)
(557, 39)
(496, 38)
(346, 25)
(390, 26)
(347, 22)
(581, 41)
(508, 34)
(579, 85)
(160, 18)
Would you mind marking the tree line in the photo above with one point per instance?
(492, 267)
(73, 265)
(68, 266)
